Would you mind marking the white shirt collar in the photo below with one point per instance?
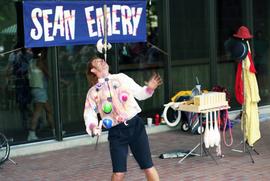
(103, 79)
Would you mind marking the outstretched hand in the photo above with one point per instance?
(154, 81)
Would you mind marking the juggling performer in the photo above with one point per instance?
(110, 102)
(246, 89)
(113, 97)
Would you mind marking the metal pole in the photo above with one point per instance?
(57, 109)
(105, 31)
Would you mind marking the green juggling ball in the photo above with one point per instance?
(107, 107)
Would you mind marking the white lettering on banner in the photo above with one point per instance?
(64, 21)
(90, 21)
(129, 17)
(59, 22)
(47, 25)
(51, 24)
(109, 22)
(69, 24)
(126, 17)
(36, 33)
(136, 16)
(115, 19)
(100, 22)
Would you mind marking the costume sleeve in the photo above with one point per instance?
(90, 113)
(139, 92)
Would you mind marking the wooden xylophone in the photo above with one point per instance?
(203, 102)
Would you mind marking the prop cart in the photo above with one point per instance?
(209, 104)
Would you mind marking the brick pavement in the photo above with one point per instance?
(85, 164)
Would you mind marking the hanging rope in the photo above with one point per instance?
(227, 122)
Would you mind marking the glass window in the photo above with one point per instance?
(26, 84)
(14, 121)
(143, 53)
(261, 47)
(229, 19)
(140, 60)
(73, 85)
(189, 44)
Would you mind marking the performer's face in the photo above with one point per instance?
(100, 66)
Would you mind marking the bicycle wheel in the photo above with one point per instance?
(4, 148)
(171, 117)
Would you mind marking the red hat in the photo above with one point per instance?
(243, 32)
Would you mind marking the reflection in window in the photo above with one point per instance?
(73, 84)
(262, 47)
(13, 115)
(189, 30)
(143, 52)
(228, 21)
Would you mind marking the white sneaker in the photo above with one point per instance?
(32, 136)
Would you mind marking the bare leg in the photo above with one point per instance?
(151, 174)
(118, 176)
(49, 114)
(37, 111)
(36, 115)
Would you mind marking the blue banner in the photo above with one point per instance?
(82, 22)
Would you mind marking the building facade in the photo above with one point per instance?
(185, 40)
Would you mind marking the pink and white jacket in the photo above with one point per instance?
(119, 92)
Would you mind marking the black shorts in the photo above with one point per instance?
(134, 136)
